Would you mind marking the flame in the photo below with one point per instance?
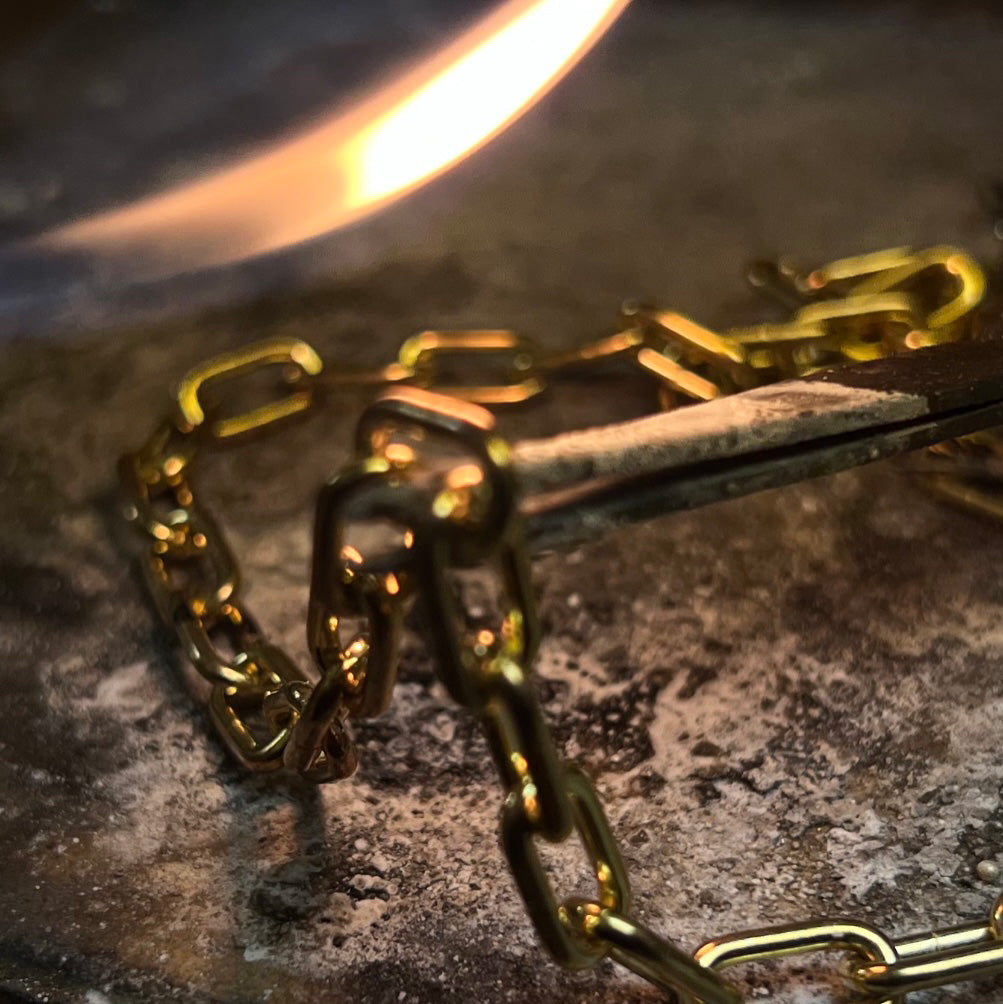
(387, 145)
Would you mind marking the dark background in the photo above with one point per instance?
(715, 131)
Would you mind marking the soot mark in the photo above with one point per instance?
(38, 592)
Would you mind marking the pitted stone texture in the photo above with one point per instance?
(789, 702)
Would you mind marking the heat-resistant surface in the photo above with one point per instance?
(789, 702)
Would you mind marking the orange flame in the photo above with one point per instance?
(393, 141)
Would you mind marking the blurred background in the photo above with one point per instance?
(703, 132)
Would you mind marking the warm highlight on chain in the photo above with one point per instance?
(436, 479)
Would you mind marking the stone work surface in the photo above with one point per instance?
(789, 703)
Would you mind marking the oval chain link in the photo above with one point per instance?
(271, 714)
(257, 693)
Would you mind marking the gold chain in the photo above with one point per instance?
(448, 515)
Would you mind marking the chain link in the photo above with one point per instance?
(257, 693)
(437, 480)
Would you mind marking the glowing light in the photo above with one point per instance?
(398, 138)
(475, 97)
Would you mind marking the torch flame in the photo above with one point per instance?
(390, 143)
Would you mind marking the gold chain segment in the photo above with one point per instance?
(434, 477)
